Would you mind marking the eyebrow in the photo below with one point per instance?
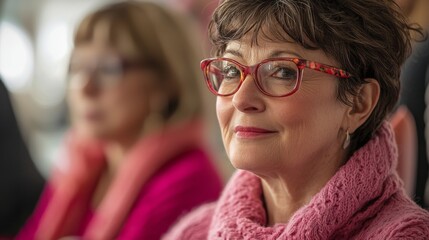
(274, 54)
(280, 53)
(233, 52)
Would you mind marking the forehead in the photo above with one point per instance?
(105, 35)
(250, 52)
(92, 50)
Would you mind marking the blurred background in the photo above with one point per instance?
(35, 45)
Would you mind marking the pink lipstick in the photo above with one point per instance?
(251, 132)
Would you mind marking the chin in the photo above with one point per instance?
(256, 159)
(250, 162)
(92, 132)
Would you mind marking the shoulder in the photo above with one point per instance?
(413, 225)
(189, 171)
(195, 225)
(182, 185)
(177, 182)
(401, 219)
(175, 186)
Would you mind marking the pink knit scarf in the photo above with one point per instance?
(354, 194)
(73, 189)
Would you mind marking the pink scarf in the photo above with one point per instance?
(363, 200)
(356, 193)
(73, 188)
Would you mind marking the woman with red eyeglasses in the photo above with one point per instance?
(134, 160)
(303, 90)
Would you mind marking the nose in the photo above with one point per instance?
(89, 86)
(248, 98)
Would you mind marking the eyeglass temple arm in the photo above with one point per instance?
(327, 69)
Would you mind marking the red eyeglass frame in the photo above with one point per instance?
(246, 70)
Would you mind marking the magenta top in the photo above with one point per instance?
(187, 180)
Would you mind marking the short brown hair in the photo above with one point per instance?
(156, 34)
(368, 38)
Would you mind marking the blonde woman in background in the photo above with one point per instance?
(134, 160)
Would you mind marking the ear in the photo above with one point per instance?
(363, 104)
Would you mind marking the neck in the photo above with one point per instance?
(287, 191)
(116, 150)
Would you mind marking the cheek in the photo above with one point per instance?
(221, 111)
(76, 104)
(126, 105)
(315, 102)
(224, 111)
(72, 102)
(310, 121)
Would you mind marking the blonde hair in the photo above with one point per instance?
(153, 33)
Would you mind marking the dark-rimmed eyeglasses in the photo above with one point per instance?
(275, 77)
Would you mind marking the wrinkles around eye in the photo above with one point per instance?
(284, 73)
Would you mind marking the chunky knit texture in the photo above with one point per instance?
(363, 200)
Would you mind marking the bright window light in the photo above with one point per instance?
(16, 56)
(54, 40)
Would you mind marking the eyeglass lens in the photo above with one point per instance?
(104, 72)
(276, 78)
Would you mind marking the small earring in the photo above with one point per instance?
(347, 140)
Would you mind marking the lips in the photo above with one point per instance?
(92, 116)
(251, 132)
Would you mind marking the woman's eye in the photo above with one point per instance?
(284, 73)
(110, 69)
(231, 72)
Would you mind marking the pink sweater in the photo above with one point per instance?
(363, 200)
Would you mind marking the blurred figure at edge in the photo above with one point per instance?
(134, 158)
(20, 182)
